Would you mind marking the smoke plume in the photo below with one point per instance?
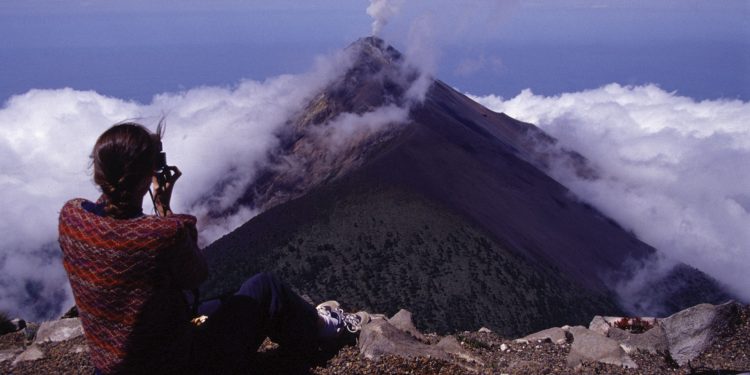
(382, 11)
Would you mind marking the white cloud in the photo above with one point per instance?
(673, 170)
(219, 137)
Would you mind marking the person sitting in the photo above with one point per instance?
(129, 272)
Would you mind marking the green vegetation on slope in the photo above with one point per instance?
(383, 250)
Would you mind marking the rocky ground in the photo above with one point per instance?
(475, 353)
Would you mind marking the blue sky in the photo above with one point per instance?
(136, 49)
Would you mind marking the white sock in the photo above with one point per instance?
(330, 328)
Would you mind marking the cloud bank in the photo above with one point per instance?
(219, 137)
(673, 170)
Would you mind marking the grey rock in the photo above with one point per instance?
(449, 344)
(402, 320)
(690, 331)
(653, 341)
(599, 325)
(485, 330)
(555, 335)
(591, 346)
(379, 337)
(8, 354)
(59, 330)
(32, 353)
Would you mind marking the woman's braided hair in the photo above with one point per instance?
(122, 158)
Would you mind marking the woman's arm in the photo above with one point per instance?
(188, 267)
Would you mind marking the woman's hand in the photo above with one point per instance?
(163, 193)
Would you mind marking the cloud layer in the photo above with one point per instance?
(218, 136)
(673, 170)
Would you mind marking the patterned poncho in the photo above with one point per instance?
(127, 277)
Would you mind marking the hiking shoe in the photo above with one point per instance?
(352, 322)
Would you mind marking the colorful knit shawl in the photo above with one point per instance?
(127, 277)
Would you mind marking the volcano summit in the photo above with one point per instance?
(383, 200)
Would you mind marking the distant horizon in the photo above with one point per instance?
(699, 49)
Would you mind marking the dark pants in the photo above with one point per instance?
(263, 307)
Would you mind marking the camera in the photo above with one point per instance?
(161, 171)
(160, 168)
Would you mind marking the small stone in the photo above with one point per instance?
(485, 330)
(599, 325)
(32, 353)
(556, 335)
(403, 321)
(59, 330)
(6, 355)
(503, 347)
(450, 345)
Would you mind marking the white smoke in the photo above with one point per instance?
(339, 131)
(421, 28)
(218, 136)
(673, 170)
(382, 11)
(421, 53)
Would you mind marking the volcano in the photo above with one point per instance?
(436, 205)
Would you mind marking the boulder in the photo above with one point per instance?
(402, 320)
(599, 325)
(653, 341)
(379, 337)
(593, 347)
(59, 330)
(691, 331)
(555, 335)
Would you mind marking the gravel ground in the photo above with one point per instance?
(729, 355)
(69, 357)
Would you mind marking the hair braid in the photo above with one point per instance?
(122, 158)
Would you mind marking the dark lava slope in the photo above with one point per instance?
(449, 214)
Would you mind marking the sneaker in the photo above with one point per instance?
(353, 322)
